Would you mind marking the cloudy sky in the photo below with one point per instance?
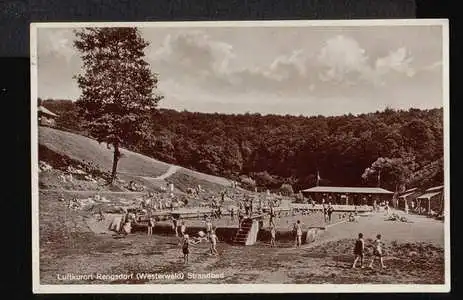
(280, 70)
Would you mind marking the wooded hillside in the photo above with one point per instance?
(273, 149)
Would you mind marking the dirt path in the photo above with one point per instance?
(171, 171)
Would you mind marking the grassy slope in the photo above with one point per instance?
(83, 148)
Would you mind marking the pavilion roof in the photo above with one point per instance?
(347, 190)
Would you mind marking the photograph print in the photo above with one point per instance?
(226, 157)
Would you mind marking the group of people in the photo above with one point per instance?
(327, 212)
(210, 236)
(156, 202)
(359, 252)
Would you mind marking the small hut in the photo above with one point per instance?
(432, 201)
(46, 117)
(407, 198)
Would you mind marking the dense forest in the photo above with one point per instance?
(395, 149)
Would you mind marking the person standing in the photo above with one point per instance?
(325, 212)
(213, 239)
(359, 249)
(175, 225)
(298, 231)
(272, 236)
(232, 213)
(208, 226)
(377, 252)
(240, 218)
(186, 248)
(247, 207)
(151, 224)
(329, 211)
(183, 228)
(272, 216)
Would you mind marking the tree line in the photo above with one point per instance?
(270, 150)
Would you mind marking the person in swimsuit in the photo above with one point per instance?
(185, 248)
(151, 224)
(213, 239)
(358, 251)
(377, 252)
(325, 212)
(175, 225)
(183, 228)
(298, 231)
(208, 226)
(272, 236)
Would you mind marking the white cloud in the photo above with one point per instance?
(288, 66)
(341, 65)
(342, 58)
(196, 52)
(398, 61)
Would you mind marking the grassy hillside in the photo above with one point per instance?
(132, 166)
(85, 149)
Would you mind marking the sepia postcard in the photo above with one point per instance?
(240, 157)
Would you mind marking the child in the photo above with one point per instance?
(298, 231)
(377, 252)
(358, 251)
(183, 228)
(185, 248)
(208, 227)
(213, 239)
(151, 223)
(273, 236)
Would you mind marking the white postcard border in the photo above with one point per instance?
(237, 288)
